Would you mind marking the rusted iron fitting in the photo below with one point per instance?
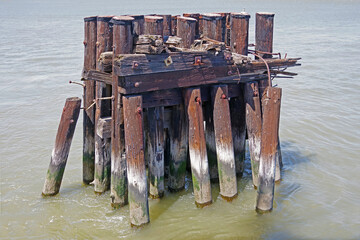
(139, 110)
(198, 100)
(223, 96)
(85, 43)
(254, 89)
(106, 98)
(135, 64)
(80, 84)
(197, 60)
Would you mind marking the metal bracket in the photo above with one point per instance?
(135, 64)
(168, 61)
(197, 60)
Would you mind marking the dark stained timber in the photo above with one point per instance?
(61, 149)
(89, 96)
(197, 147)
(271, 101)
(224, 142)
(136, 173)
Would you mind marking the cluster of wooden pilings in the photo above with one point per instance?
(173, 106)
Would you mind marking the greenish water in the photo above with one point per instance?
(319, 197)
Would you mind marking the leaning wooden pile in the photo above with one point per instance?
(171, 94)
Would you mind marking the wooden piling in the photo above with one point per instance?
(271, 101)
(61, 149)
(197, 26)
(138, 24)
(264, 44)
(197, 148)
(154, 25)
(239, 32)
(102, 145)
(253, 125)
(134, 139)
(264, 33)
(210, 140)
(123, 43)
(212, 26)
(186, 31)
(166, 24)
(178, 137)
(224, 142)
(89, 96)
(238, 128)
(155, 117)
(174, 25)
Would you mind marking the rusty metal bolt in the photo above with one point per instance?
(223, 96)
(85, 43)
(137, 84)
(198, 61)
(135, 64)
(198, 100)
(139, 110)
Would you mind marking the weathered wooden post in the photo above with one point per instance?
(224, 142)
(138, 24)
(197, 148)
(178, 131)
(210, 140)
(89, 96)
(264, 27)
(212, 26)
(102, 145)
(156, 145)
(156, 140)
(136, 172)
(253, 125)
(197, 26)
(269, 140)
(186, 30)
(178, 136)
(174, 25)
(123, 43)
(239, 32)
(61, 149)
(225, 22)
(238, 127)
(154, 25)
(264, 46)
(166, 24)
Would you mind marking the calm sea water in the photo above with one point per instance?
(319, 198)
